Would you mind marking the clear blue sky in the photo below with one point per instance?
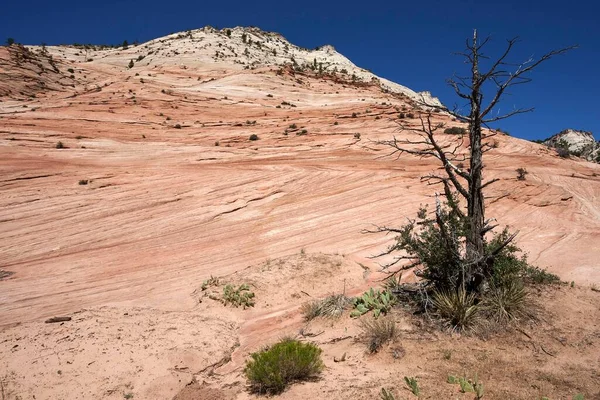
(408, 42)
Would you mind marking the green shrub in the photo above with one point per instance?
(376, 300)
(274, 368)
(60, 145)
(455, 130)
(521, 172)
(83, 182)
(540, 276)
(131, 64)
(240, 296)
(378, 332)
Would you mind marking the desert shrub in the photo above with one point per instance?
(401, 116)
(332, 306)
(455, 130)
(457, 308)
(377, 332)
(10, 41)
(354, 115)
(293, 126)
(540, 276)
(83, 181)
(177, 126)
(563, 152)
(380, 302)
(274, 368)
(302, 132)
(410, 115)
(71, 70)
(336, 123)
(241, 296)
(228, 32)
(521, 172)
(131, 64)
(253, 137)
(60, 145)
(357, 135)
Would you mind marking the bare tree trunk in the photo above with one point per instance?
(475, 204)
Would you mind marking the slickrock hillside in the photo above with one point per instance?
(579, 143)
(129, 176)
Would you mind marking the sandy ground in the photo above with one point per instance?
(159, 187)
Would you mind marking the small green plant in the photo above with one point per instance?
(240, 296)
(253, 137)
(271, 370)
(468, 385)
(131, 64)
(212, 281)
(128, 396)
(60, 145)
(578, 396)
(376, 300)
(357, 135)
(386, 394)
(302, 132)
(378, 332)
(413, 385)
(83, 181)
(447, 354)
(293, 126)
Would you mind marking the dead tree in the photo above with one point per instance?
(460, 185)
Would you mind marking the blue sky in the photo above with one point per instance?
(408, 42)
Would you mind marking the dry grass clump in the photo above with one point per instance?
(331, 307)
(378, 332)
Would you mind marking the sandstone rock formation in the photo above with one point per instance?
(125, 188)
(579, 143)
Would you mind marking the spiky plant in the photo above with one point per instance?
(506, 302)
(458, 308)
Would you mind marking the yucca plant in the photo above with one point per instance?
(507, 302)
(458, 308)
